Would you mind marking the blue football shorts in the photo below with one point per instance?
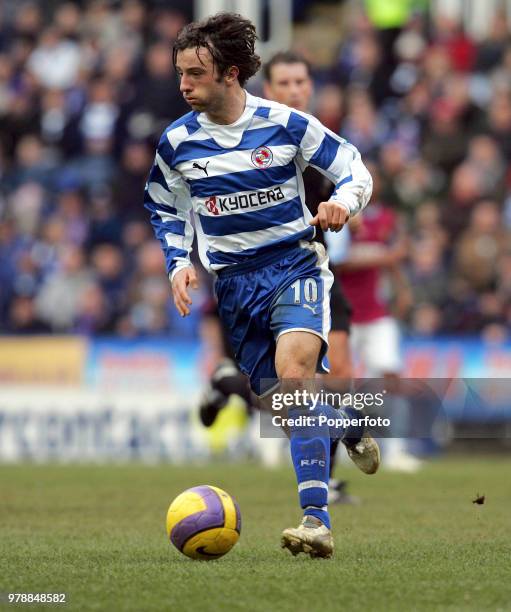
(273, 294)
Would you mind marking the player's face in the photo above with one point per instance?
(290, 84)
(199, 81)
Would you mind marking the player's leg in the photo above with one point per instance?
(396, 448)
(212, 400)
(339, 380)
(225, 381)
(226, 378)
(296, 360)
(340, 375)
(339, 354)
(297, 356)
(300, 321)
(380, 352)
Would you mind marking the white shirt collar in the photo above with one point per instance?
(229, 136)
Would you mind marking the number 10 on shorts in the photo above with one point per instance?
(306, 287)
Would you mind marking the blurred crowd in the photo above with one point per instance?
(87, 87)
(432, 108)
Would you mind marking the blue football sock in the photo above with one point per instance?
(310, 450)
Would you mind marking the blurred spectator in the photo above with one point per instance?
(93, 312)
(149, 294)
(417, 182)
(23, 318)
(499, 122)
(486, 158)
(97, 123)
(426, 320)
(105, 224)
(61, 294)
(445, 142)
(370, 71)
(428, 224)
(362, 125)
(55, 117)
(67, 20)
(481, 246)
(504, 276)
(111, 277)
(491, 51)
(134, 235)
(329, 107)
(25, 206)
(450, 37)
(56, 61)
(170, 19)
(427, 274)
(158, 89)
(128, 186)
(71, 210)
(28, 21)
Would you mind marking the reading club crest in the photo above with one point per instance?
(211, 205)
(262, 157)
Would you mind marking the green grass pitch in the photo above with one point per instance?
(416, 543)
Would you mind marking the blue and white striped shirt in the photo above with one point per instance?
(242, 183)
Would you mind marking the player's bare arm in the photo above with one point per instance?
(371, 255)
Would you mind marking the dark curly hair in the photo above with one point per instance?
(229, 37)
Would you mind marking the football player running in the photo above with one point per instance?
(235, 163)
(287, 80)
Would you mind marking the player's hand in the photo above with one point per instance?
(331, 216)
(183, 278)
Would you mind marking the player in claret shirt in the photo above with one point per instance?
(235, 163)
(377, 247)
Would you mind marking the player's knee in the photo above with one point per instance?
(297, 355)
(299, 364)
(299, 367)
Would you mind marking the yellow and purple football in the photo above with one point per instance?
(204, 522)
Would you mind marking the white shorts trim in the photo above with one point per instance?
(302, 329)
